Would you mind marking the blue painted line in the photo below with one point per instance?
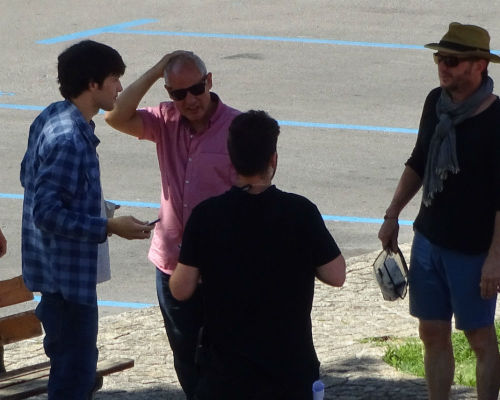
(279, 39)
(6, 93)
(336, 218)
(11, 196)
(273, 39)
(347, 127)
(120, 202)
(136, 204)
(378, 221)
(109, 303)
(301, 124)
(118, 28)
(122, 29)
(21, 107)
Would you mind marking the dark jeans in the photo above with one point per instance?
(70, 343)
(183, 320)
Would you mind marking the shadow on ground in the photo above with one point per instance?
(354, 378)
(160, 392)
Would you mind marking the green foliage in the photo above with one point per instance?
(407, 355)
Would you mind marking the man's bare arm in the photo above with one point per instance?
(490, 275)
(407, 188)
(332, 273)
(124, 116)
(184, 281)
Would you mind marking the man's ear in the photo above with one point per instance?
(93, 86)
(274, 160)
(483, 64)
(274, 163)
(209, 81)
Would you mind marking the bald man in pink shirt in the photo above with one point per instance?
(190, 133)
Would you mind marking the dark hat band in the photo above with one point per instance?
(460, 47)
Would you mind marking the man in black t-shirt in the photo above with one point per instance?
(455, 260)
(257, 251)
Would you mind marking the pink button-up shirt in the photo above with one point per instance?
(193, 166)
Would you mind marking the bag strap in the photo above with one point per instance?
(403, 261)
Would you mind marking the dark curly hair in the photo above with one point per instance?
(86, 62)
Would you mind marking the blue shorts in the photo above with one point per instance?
(443, 283)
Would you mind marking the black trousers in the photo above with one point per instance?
(224, 377)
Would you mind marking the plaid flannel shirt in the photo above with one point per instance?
(62, 205)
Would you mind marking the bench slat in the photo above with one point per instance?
(106, 367)
(13, 291)
(25, 389)
(30, 381)
(36, 372)
(19, 326)
(24, 372)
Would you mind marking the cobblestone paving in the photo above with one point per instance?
(351, 368)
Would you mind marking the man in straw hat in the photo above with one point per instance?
(455, 260)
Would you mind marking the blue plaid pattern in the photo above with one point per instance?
(62, 205)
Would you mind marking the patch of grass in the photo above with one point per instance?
(407, 355)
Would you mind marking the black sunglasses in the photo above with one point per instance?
(449, 61)
(196, 90)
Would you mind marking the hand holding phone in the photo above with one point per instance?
(153, 222)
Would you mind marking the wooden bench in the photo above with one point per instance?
(31, 380)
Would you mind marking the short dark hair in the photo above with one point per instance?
(252, 141)
(86, 62)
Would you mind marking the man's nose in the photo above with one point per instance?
(190, 98)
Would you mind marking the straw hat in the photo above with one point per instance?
(467, 41)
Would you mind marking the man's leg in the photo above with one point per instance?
(483, 342)
(475, 316)
(430, 303)
(183, 320)
(438, 358)
(70, 343)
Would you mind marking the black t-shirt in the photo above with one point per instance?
(257, 256)
(462, 216)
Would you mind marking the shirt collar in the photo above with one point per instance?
(87, 129)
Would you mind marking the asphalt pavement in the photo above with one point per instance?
(346, 79)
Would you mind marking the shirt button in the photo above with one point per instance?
(187, 181)
(190, 159)
(185, 205)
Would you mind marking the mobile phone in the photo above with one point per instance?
(153, 222)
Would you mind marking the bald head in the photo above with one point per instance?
(180, 59)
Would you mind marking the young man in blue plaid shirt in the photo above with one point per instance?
(65, 228)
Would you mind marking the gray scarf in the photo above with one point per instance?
(442, 157)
